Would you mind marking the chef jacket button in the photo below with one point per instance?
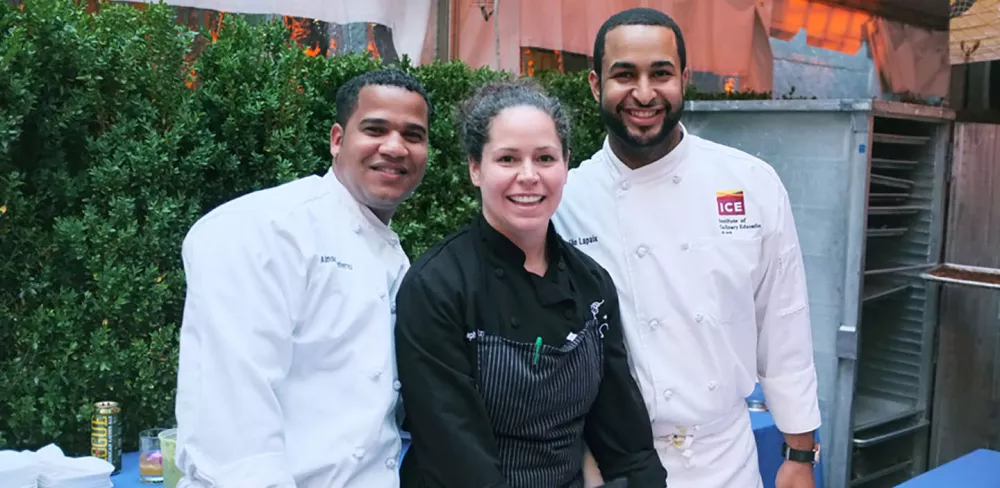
(561, 266)
(677, 179)
(654, 323)
(396, 385)
(641, 251)
(685, 246)
(357, 228)
(699, 317)
(359, 453)
(390, 463)
(498, 272)
(376, 375)
(625, 185)
(514, 322)
(711, 385)
(569, 313)
(667, 395)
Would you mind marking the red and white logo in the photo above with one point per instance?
(730, 202)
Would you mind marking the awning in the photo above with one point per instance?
(411, 22)
(927, 14)
(571, 26)
(827, 26)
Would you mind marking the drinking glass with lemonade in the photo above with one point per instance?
(168, 448)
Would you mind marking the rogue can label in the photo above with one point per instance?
(106, 435)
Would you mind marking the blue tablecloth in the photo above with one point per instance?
(768, 439)
(128, 477)
(977, 469)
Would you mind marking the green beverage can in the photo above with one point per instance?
(106, 434)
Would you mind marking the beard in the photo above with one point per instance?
(613, 121)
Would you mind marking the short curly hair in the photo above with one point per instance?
(348, 93)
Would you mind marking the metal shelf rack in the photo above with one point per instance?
(867, 182)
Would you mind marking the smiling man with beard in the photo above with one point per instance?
(701, 244)
(287, 375)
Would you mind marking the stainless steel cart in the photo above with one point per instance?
(867, 182)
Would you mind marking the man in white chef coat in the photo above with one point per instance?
(287, 374)
(700, 241)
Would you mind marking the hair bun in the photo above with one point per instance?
(477, 112)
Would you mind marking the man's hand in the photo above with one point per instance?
(591, 473)
(795, 474)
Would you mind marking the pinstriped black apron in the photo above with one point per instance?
(538, 408)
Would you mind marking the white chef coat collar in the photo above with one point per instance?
(663, 166)
(362, 216)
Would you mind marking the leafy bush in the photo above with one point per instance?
(117, 131)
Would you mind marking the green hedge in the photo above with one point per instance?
(112, 143)
(114, 138)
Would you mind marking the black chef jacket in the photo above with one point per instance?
(478, 275)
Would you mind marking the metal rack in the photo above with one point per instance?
(866, 180)
(898, 314)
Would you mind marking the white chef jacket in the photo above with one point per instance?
(287, 372)
(711, 281)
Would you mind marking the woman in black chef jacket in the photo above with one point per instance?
(509, 345)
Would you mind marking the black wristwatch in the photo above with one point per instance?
(811, 457)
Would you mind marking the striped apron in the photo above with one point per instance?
(537, 404)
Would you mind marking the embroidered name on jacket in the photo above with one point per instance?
(333, 260)
(582, 241)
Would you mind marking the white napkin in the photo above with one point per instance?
(18, 469)
(58, 471)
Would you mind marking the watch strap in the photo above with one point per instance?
(810, 456)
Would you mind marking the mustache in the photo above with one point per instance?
(665, 105)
